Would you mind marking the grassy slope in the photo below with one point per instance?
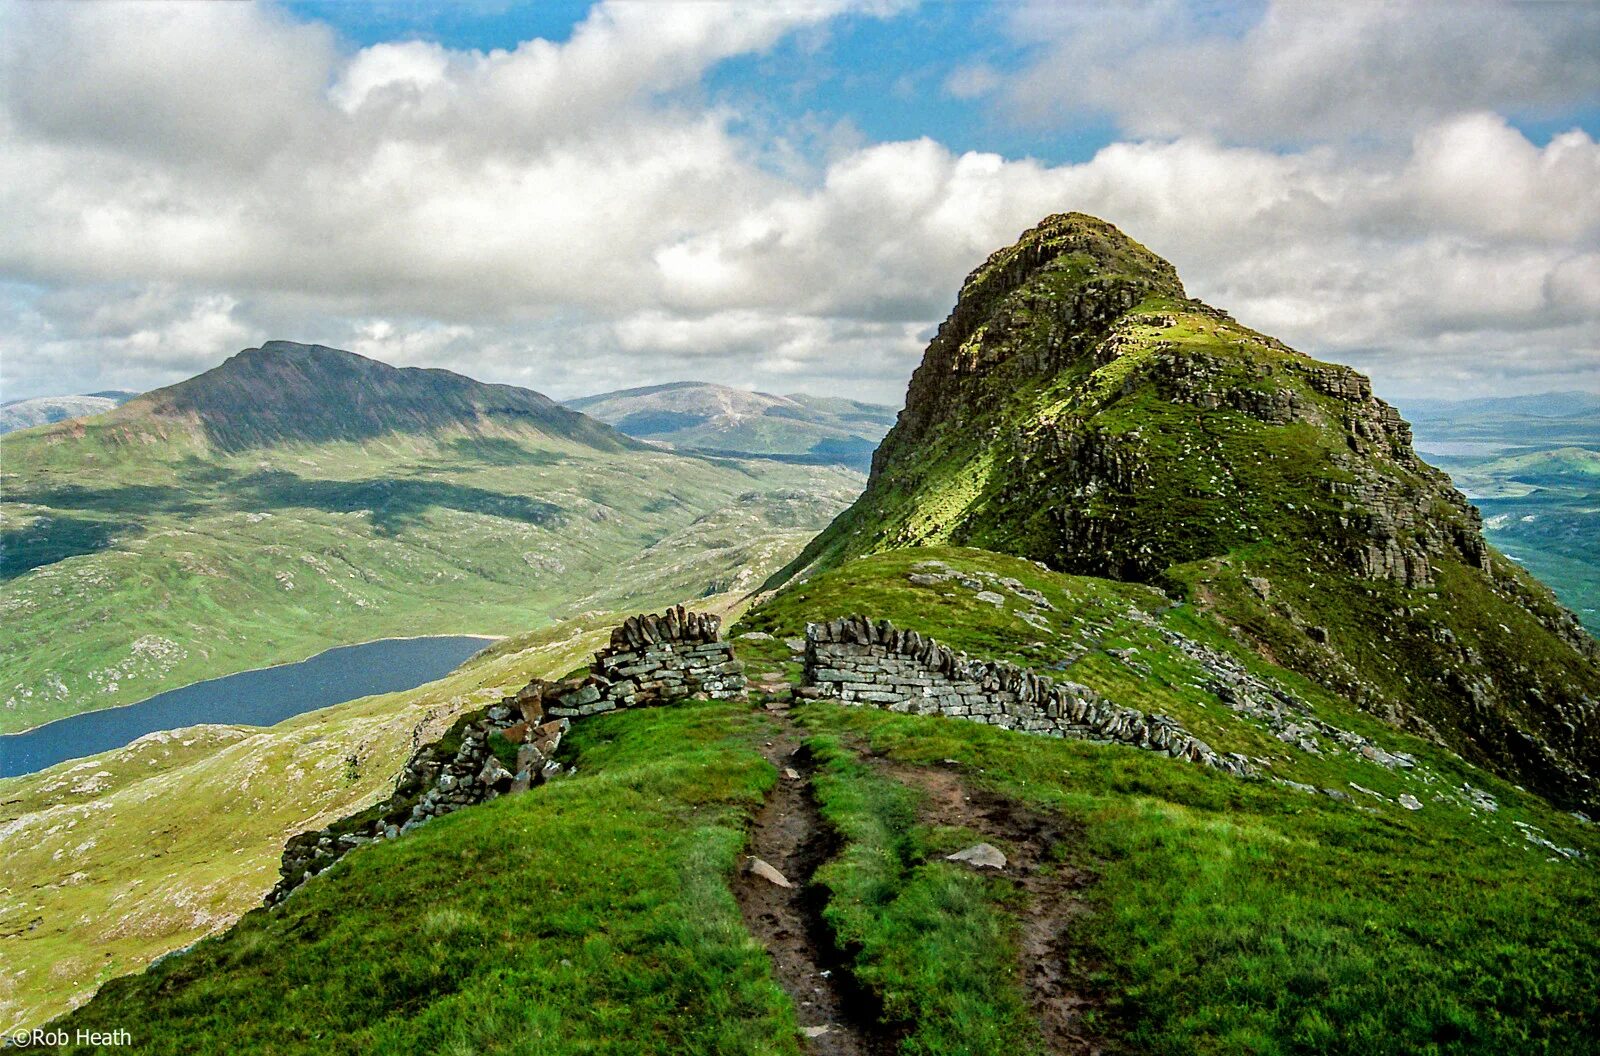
(113, 860)
(162, 563)
(1228, 916)
(590, 916)
(1237, 916)
(936, 942)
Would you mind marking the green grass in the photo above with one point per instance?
(113, 860)
(1229, 916)
(592, 915)
(935, 943)
(134, 568)
(1232, 917)
(1074, 639)
(1162, 442)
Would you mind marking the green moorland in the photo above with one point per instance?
(591, 916)
(1221, 915)
(130, 567)
(1226, 916)
(113, 860)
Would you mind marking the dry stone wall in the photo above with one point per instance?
(651, 659)
(855, 660)
(654, 660)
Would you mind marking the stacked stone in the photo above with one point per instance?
(652, 659)
(655, 659)
(855, 660)
(432, 785)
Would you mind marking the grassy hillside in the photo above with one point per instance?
(1078, 409)
(138, 561)
(703, 416)
(593, 916)
(116, 859)
(1187, 911)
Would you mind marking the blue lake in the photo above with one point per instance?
(250, 698)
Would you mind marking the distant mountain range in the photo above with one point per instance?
(299, 496)
(1500, 425)
(43, 410)
(718, 418)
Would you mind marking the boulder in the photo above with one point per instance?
(980, 856)
(493, 772)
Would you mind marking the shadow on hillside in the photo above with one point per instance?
(53, 539)
(491, 451)
(390, 504)
(131, 499)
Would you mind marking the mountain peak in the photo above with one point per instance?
(287, 392)
(1034, 305)
(1078, 409)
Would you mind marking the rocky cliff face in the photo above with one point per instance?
(1079, 409)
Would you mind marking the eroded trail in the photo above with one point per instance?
(836, 1017)
(1053, 899)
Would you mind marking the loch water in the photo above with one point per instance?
(263, 697)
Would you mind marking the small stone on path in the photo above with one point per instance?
(791, 773)
(766, 872)
(980, 854)
(815, 1032)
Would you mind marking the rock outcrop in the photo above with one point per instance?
(1078, 408)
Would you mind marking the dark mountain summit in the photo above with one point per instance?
(1077, 408)
(288, 392)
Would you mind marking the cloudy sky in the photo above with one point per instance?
(783, 195)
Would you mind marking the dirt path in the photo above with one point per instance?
(1054, 898)
(837, 1018)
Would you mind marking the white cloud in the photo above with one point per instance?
(574, 217)
(1302, 72)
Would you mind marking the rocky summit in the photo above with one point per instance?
(1080, 409)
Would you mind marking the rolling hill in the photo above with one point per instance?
(1146, 904)
(701, 416)
(297, 497)
(43, 410)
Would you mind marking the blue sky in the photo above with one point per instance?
(578, 197)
